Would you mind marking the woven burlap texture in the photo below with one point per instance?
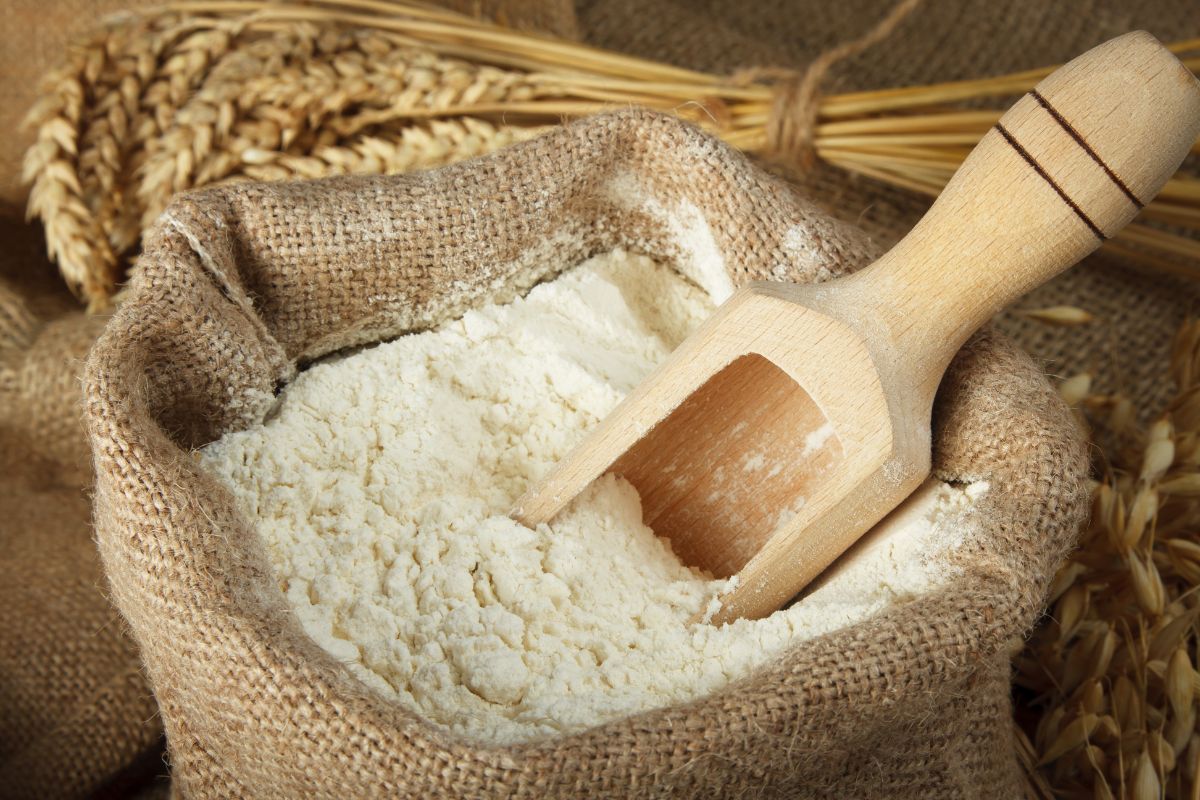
(241, 284)
(75, 710)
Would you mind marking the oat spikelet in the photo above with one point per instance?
(1066, 316)
(1117, 659)
(1075, 388)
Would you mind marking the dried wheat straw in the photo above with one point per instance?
(204, 91)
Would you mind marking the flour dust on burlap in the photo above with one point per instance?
(380, 487)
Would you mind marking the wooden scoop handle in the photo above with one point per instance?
(1066, 168)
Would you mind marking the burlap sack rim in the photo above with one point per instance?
(992, 601)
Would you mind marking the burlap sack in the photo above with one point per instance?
(240, 285)
(76, 715)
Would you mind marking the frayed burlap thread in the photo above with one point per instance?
(241, 285)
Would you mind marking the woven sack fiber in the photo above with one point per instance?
(76, 710)
(240, 285)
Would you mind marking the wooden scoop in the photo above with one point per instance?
(797, 416)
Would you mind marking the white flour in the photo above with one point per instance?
(380, 490)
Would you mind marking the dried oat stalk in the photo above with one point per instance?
(1112, 674)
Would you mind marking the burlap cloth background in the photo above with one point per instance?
(43, 507)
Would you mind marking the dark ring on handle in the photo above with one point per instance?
(1078, 137)
(1008, 137)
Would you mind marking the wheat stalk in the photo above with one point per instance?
(84, 155)
(74, 236)
(416, 147)
(200, 92)
(184, 102)
(318, 135)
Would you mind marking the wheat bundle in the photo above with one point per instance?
(205, 91)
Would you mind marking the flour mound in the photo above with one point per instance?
(380, 489)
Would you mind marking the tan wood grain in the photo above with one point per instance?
(726, 440)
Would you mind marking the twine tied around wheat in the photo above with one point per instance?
(791, 129)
